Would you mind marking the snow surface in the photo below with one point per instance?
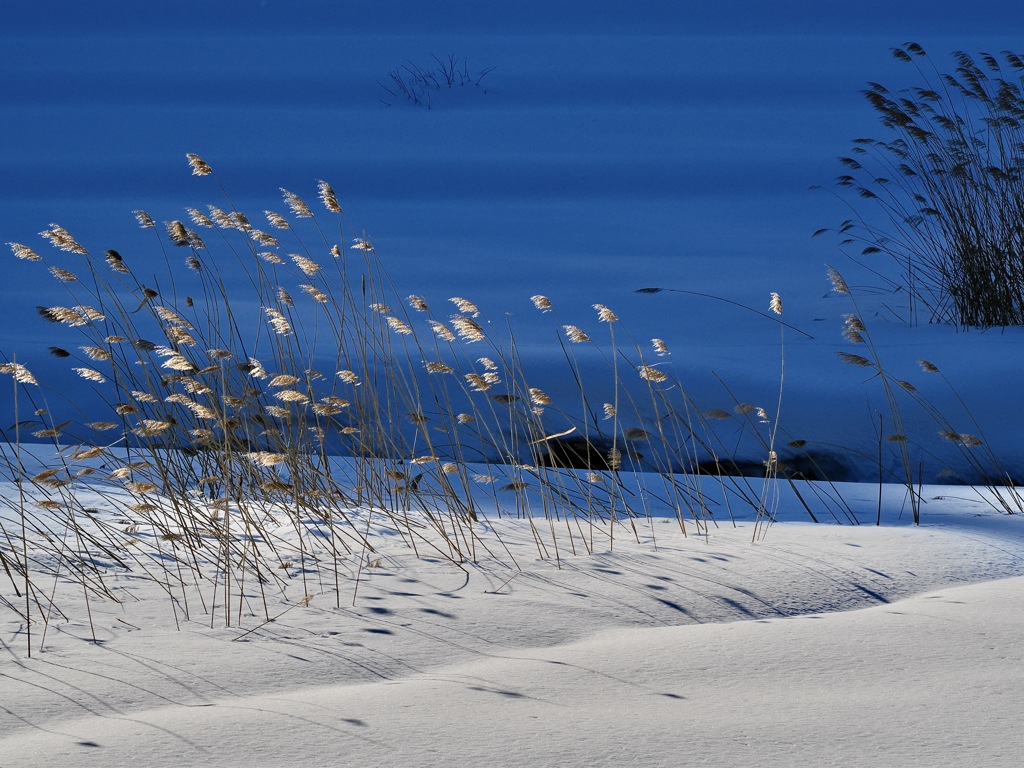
(814, 645)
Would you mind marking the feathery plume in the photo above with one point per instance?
(775, 305)
(660, 347)
(856, 360)
(838, 283)
(609, 411)
(418, 303)
(652, 374)
(63, 275)
(928, 367)
(61, 239)
(398, 326)
(199, 218)
(575, 335)
(306, 264)
(315, 293)
(543, 303)
(604, 314)
(436, 367)
(198, 165)
(278, 321)
(442, 331)
(465, 305)
(276, 220)
(20, 373)
(467, 328)
(144, 219)
(477, 383)
(220, 218)
(116, 262)
(327, 197)
(539, 397)
(178, 234)
(296, 205)
(24, 252)
(362, 244)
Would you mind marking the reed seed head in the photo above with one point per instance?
(538, 397)
(61, 239)
(296, 205)
(609, 411)
(467, 328)
(198, 165)
(465, 305)
(775, 304)
(436, 367)
(144, 219)
(838, 283)
(543, 303)
(20, 373)
(24, 252)
(928, 367)
(575, 335)
(327, 197)
(177, 233)
(855, 360)
(652, 374)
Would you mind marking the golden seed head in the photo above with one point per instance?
(575, 335)
(435, 367)
(543, 303)
(327, 197)
(652, 374)
(276, 220)
(775, 304)
(315, 293)
(178, 234)
(199, 166)
(467, 328)
(144, 219)
(263, 238)
(24, 252)
(838, 283)
(442, 331)
(660, 347)
(539, 397)
(465, 305)
(296, 205)
(306, 264)
(278, 321)
(199, 218)
(604, 314)
(398, 326)
(61, 239)
(417, 303)
(19, 372)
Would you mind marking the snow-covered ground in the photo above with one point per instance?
(816, 644)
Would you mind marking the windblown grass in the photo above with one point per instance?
(947, 187)
(272, 402)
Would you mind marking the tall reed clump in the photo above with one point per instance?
(235, 373)
(946, 188)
